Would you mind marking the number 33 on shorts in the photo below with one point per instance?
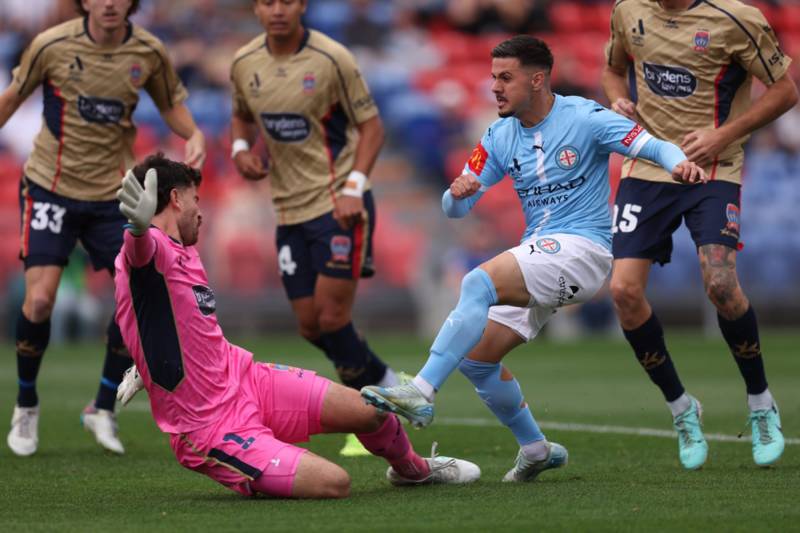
(47, 216)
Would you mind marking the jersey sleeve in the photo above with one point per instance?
(239, 104)
(32, 68)
(164, 86)
(616, 52)
(616, 133)
(141, 250)
(756, 48)
(352, 89)
(485, 163)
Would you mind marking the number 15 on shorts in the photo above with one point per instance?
(627, 221)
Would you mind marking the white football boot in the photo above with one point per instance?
(23, 439)
(444, 471)
(103, 424)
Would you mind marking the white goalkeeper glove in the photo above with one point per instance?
(131, 384)
(136, 203)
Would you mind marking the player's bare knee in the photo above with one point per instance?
(332, 318)
(722, 287)
(38, 306)
(626, 295)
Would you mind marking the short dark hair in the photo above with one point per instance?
(83, 12)
(171, 175)
(530, 51)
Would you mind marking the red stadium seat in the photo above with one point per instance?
(454, 46)
(599, 18)
(569, 17)
(787, 19)
(397, 250)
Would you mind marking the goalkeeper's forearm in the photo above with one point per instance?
(138, 249)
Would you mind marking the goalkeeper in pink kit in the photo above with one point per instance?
(229, 417)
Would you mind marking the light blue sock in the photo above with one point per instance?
(504, 398)
(463, 328)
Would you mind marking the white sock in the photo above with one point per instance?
(424, 387)
(759, 402)
(680, 405)
(389, 379)
(535, 451)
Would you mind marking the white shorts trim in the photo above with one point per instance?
(559, 269)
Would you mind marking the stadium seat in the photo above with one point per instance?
(787, 19)
(569, 17)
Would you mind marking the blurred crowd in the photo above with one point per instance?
(427, 63)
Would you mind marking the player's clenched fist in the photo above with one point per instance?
(688, 172)
(464, 186)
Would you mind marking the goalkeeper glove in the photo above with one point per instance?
(136, 203)
(131, 384)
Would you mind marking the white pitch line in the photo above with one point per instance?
(592, 428)
(558, 426)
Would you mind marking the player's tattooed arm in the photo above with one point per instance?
(718, 264)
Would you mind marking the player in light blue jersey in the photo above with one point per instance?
(556, 150)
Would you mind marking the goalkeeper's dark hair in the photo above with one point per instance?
(530, 51)
(134, 7)
(171, 175)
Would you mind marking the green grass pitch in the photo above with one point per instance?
(614, 481)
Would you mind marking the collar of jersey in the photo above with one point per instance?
(128, 32)
(303, 42)
(556, 103)
(692, 6)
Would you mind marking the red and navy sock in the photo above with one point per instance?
(32, 340)
(118, 360)
(355, 363)
(741, 335)
(648, 344)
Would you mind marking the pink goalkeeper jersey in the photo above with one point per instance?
(166, 312)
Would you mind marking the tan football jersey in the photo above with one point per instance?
(90, 92)
(692, 69)
(307, 106)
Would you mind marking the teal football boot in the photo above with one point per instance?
(692, 445)
(768, 440)
(527, 470)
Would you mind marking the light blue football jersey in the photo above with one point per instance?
(560, 165)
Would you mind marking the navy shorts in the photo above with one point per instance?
(51, 225)
(321, 246)
(647, 213)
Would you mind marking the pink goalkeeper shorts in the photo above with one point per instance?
(250, 449)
